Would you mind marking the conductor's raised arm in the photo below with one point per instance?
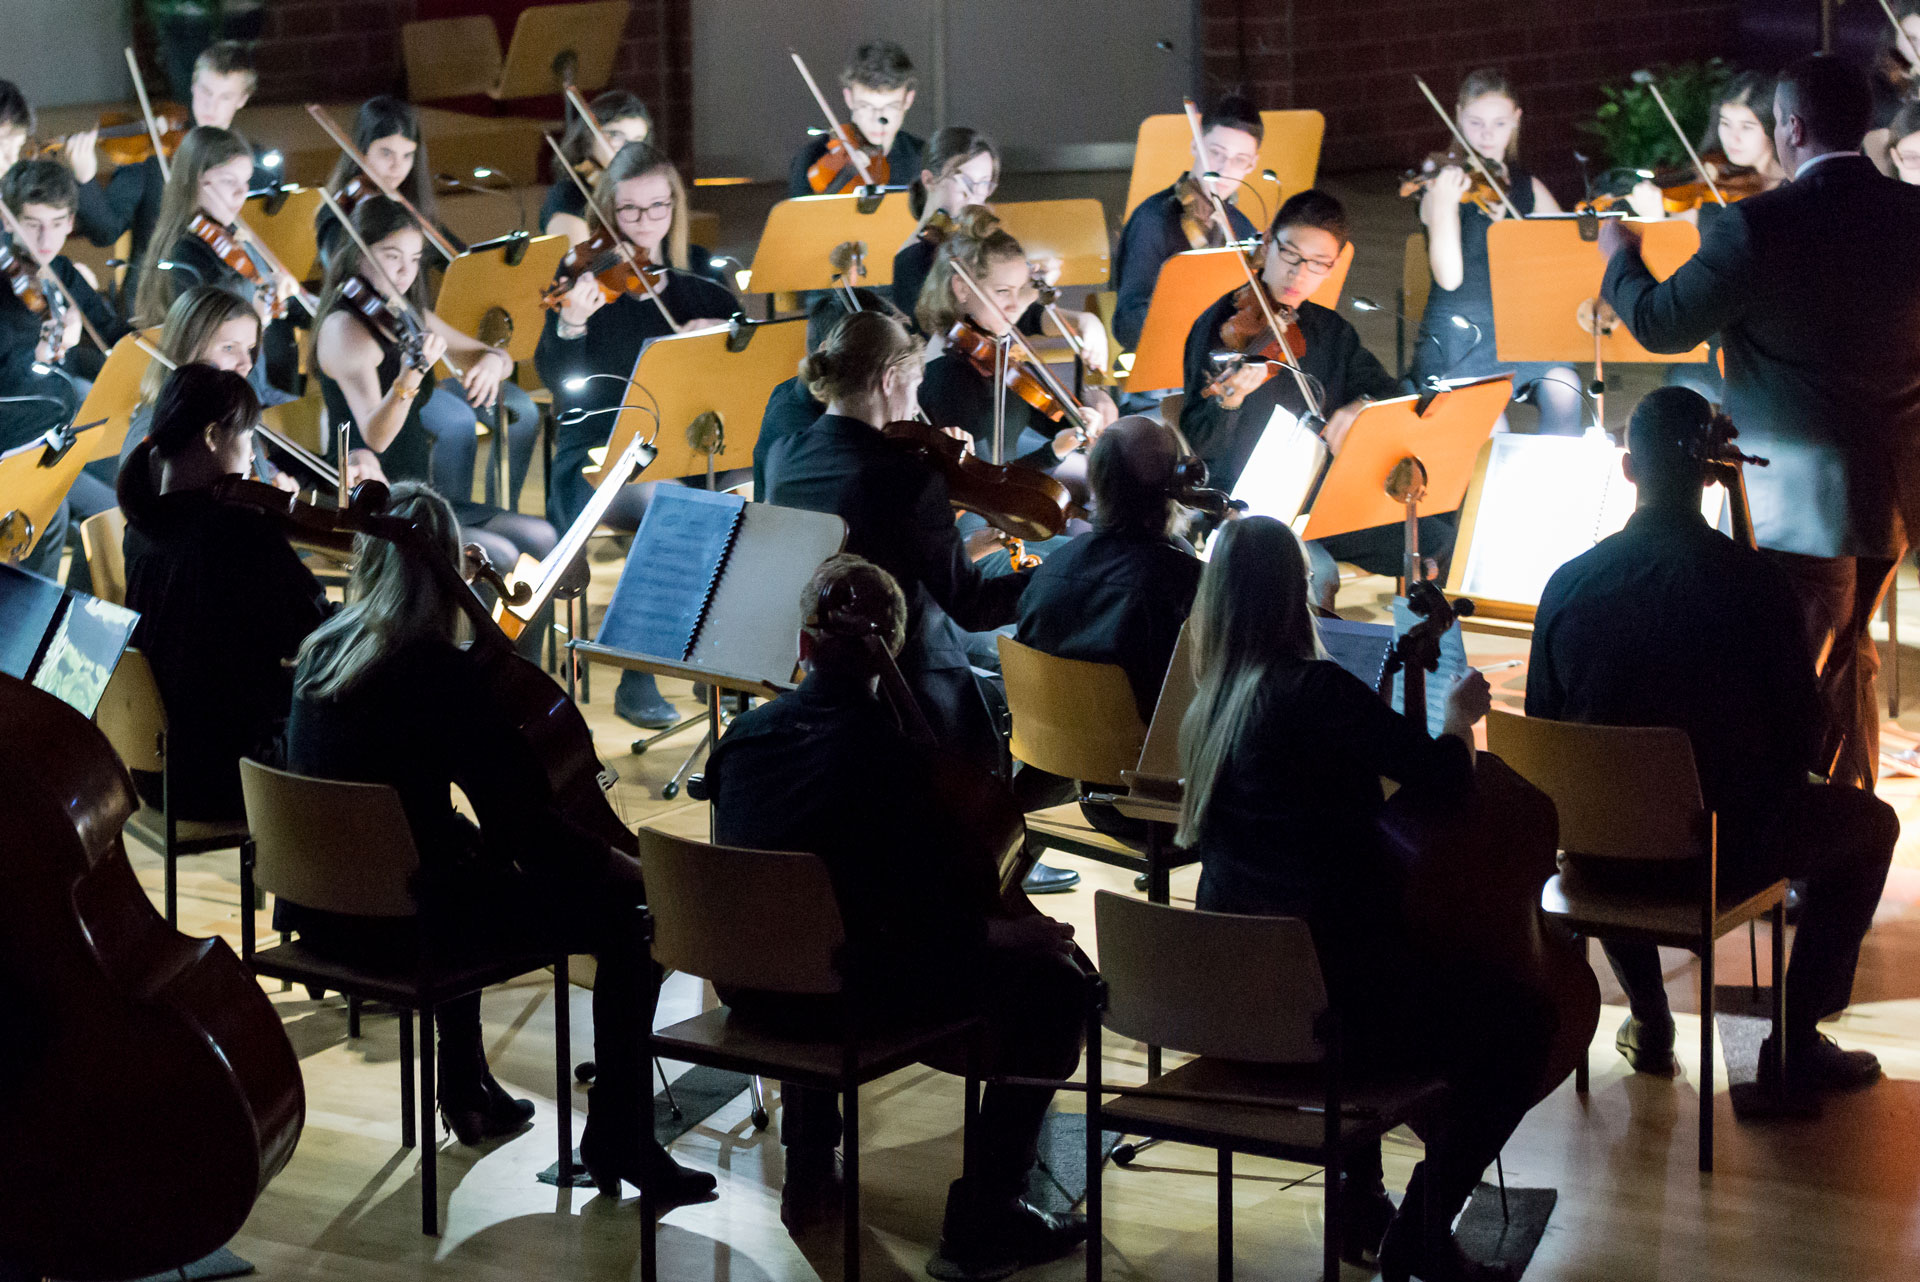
(1710, 291)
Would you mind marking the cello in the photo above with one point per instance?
(143, 1071)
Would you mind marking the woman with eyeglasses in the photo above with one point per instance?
(588, 349)
(1229, 405)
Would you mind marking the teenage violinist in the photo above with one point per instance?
(377, 373)
(1742, 134)
(623, 119)
(791, 408)
(1456, 332)
(956, 393)
(387, 132)
(1181, 217)
(1231, 399)
(878, 89)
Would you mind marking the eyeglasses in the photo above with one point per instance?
(638, 213)
(1231, 163)
(970, 186)
(1293, 258)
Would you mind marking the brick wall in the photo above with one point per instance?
(1355, 60)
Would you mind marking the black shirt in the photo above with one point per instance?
(1671, 623)
(223, 602)
(409, 455)
(129, 201)
(826, 770)
(21, 422)
(1335, 360)
(1113, 596)
(1152, 236)
(562, 198)
(903, 165)
(791, 409)
(955, 394)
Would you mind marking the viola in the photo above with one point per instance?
(141, 1065)
(1019, 501)
(230, 251)
(599, 256)
(124, 138)
(835, 170)
(1248, 338)
(1479, 193)
(980, 350)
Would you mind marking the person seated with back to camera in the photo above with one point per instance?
(1671, 623)
(827, 770)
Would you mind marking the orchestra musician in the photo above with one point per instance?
(791, 407)
(878, 88)
(1456, 338)
(828, 770)
(1283, 754)
(1741, 134)
(387, 132)
(1814, 289)
(224, 601)
(388, 398)
(133, 199)
(1181, 217)
(1671, 623)
(16, 123)
(1229, 406)
(1903, 144)
(42, 355)
(383, 694)
(597, 338)
(623, 119)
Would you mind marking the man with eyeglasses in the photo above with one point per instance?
(878, 88)
(1229, 406)
(1180, 218)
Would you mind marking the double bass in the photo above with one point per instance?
(148, 1092)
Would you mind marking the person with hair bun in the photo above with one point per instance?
(828, 770)
(224, 600)
(791, 407)
(955, 393)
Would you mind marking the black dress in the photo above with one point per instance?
(1449, 350)
(409, 455)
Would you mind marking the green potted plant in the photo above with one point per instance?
(182, 28)
(1633, 131)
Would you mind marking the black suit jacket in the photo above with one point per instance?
(1814, 289)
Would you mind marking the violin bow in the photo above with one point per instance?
(1075, 411)
(619, 241)
(592, 122)
(854, 154)
(1254, 284)
(301, 293)
(1467, 148)
(1900, 35)
(1699, 166)
(146, 113)
(48, 276)
(383, 282)
(354, 154)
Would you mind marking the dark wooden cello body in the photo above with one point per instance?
(147, 1090)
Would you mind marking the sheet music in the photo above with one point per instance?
(670, 573)
(1286, 464)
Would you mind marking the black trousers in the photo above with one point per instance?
(1840, 840)
(1839, 595)
(1035, 1011)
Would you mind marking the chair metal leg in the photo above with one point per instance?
(673, 1105)
(1706, 1056)
(1500, 1172)
(563, 1066)
(1223, 1192)
(757, 1092)
(172, 876)
(429, 1131)
(1096, 1169)
(649, 1235)
(1330, 1239)
(1780, 992)
(850, 1165)
(1581, 1080)
(407, 1139)
(1753, 958)
(353, 1017)
(969, 1114)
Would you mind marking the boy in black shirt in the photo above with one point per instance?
(878, 88)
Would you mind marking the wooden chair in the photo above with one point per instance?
(1078, 720)
(1245, 995)
(1416, 282)
(768, 921)
(135, 723)
(1632, 793)
(346, 848)
(102, 537)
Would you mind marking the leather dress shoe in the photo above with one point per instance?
(984, 1238)
(1817, 1065)
(1365, 1213)
(1647, 1046)
(1047, 880)
(1403, 1255)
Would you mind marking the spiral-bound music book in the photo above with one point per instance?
(678, 556)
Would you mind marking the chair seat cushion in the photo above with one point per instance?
(722, 1039)
(1370, 1105)
(401, 985)
(150, 826)
(1670, 919)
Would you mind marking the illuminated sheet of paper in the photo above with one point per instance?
(1286, 465)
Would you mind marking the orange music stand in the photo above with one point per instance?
(796, 248)
(459, 57)
(496, 299)
(1188, 284)
(699, 374)
(33, 484)
(283, 221)
(1290, 147)
(1073, 230)
(115, 395)
(1543, 276)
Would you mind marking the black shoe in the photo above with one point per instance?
(614, 1154)
(1365, 1214)
(1404, 1255)
(1647, 1046)
(638, 701)
(1818, 1065)
(484, 1113)
(1045, 880)
(815, 1189)
(985, 1239)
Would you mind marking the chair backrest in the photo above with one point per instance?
(1160, 754)
(758, 919)
(1622, 792)
(1071, 718)
(327, 844)
(101, 536)
(131, 715)
(1241, 988)
(1416, 278)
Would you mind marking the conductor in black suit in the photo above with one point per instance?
(1814, 289)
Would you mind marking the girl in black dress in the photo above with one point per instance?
(1456, 332)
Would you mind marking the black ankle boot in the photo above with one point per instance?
(1419, 1243)
(614, 1150)
(1365, 1212)
(478, 1112)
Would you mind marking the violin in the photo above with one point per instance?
(1197, 221)
(835, 170)
(599, 256)
(980, 350)
(124, 138)
(230, 251)
(1020, 502)
(1247, 338)
(1683, 189)
(23, 278)
(1475, 868)
(1480, 193)
(139, 1064)
(397, 326)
